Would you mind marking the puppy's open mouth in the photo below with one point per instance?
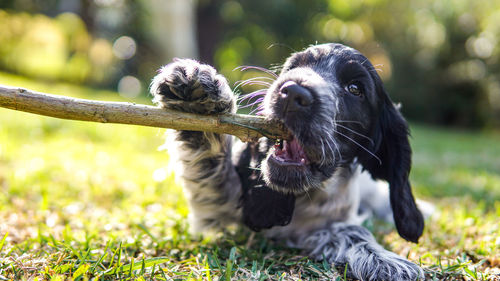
(289, 153)
(288, 168)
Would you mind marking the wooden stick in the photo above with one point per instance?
(245, 127)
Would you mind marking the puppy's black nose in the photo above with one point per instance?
(295, 96)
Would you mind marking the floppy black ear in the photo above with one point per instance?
(393, 149)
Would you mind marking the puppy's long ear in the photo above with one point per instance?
(393, 149)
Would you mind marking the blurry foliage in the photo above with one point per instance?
(57, 48)
(439, 58)
(80, 41)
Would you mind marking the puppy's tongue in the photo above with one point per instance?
(291, 152)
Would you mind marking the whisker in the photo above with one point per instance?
(323, 154)
(282, 45)
(325, 149)
(332, 151)
(349, 121)
(239, 83)
(252, 95)
(257, 110)
(259, 100)
(357, 133)
(264, 78)
(258, 83)
(260, 110)
(308, 196)
(263, 81)
(364, 148)
(257, 78)
(247, 67)
(336, 146)
(252, 81)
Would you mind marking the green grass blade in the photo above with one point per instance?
(143, 267)
(118, 258)
(152, 272)
(81, 271)
(471, 273)
(163, 273)
(232, 254)
(207, 271)
(345, 271)
(146, 230)
(229, 269)
(101, 258)
(145, 263)
(131, 268)
(3, 241)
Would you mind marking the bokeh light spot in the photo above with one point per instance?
(100, 52)
(481, 47)
(124, 47)
(231, 11)
(160, 175)
(129, 87)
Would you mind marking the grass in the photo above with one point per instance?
(81, 201)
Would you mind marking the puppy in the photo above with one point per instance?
(307, 190)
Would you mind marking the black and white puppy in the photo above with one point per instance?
(308, 190)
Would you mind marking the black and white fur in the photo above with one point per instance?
(307, 191)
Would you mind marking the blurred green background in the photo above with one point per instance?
(440, 59)
(74, 194)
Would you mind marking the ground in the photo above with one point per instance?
(95, 201)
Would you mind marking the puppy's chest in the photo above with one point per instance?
(338, 201)
(335, 202)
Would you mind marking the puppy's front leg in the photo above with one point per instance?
(210, 180)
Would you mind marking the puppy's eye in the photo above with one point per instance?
(354, 89)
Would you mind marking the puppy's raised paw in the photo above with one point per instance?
(190, 86)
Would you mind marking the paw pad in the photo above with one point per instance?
(190, 86)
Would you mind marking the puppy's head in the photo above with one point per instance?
(334, 104)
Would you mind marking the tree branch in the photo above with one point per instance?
(245, 127)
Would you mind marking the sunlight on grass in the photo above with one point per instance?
(82, 200)
(456, 164)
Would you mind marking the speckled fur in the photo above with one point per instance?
(229, 182)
